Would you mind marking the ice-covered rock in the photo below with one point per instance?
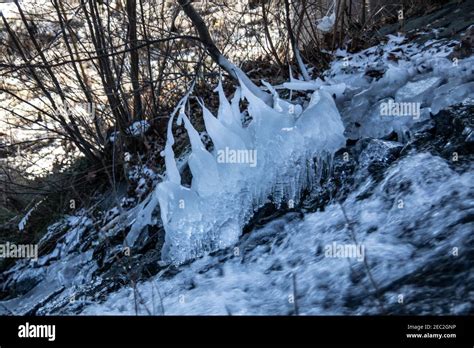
(451, 95)
(421, 75)
(417, 90)
(377, 150)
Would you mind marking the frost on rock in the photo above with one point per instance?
(273, 158)
(60, 271)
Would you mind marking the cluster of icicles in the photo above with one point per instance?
(272, 159)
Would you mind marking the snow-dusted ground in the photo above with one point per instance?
(413, 226)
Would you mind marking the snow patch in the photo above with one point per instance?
(138, 128)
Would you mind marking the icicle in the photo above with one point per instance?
(321, 123)
(244, 80)
(265, 120)
(147, 207)
(281, 105)
(202, 164)
(225, 114)
(172, 171)
(221, 136)
(235, 105)
(301, 65)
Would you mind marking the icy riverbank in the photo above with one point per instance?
(404, 180)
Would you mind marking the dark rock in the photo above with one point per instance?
(448, 134)
(26, 280)
(50, 239)
(377, 155)
(375, 73)
(4, 311)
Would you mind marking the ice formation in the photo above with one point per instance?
(423, 75)
(273, 158)
(24, 220)
(326, 23)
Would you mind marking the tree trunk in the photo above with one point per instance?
(134, 59)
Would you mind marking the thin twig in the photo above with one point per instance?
(366, 265)
(295, 301)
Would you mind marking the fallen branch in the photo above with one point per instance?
(236, 73)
